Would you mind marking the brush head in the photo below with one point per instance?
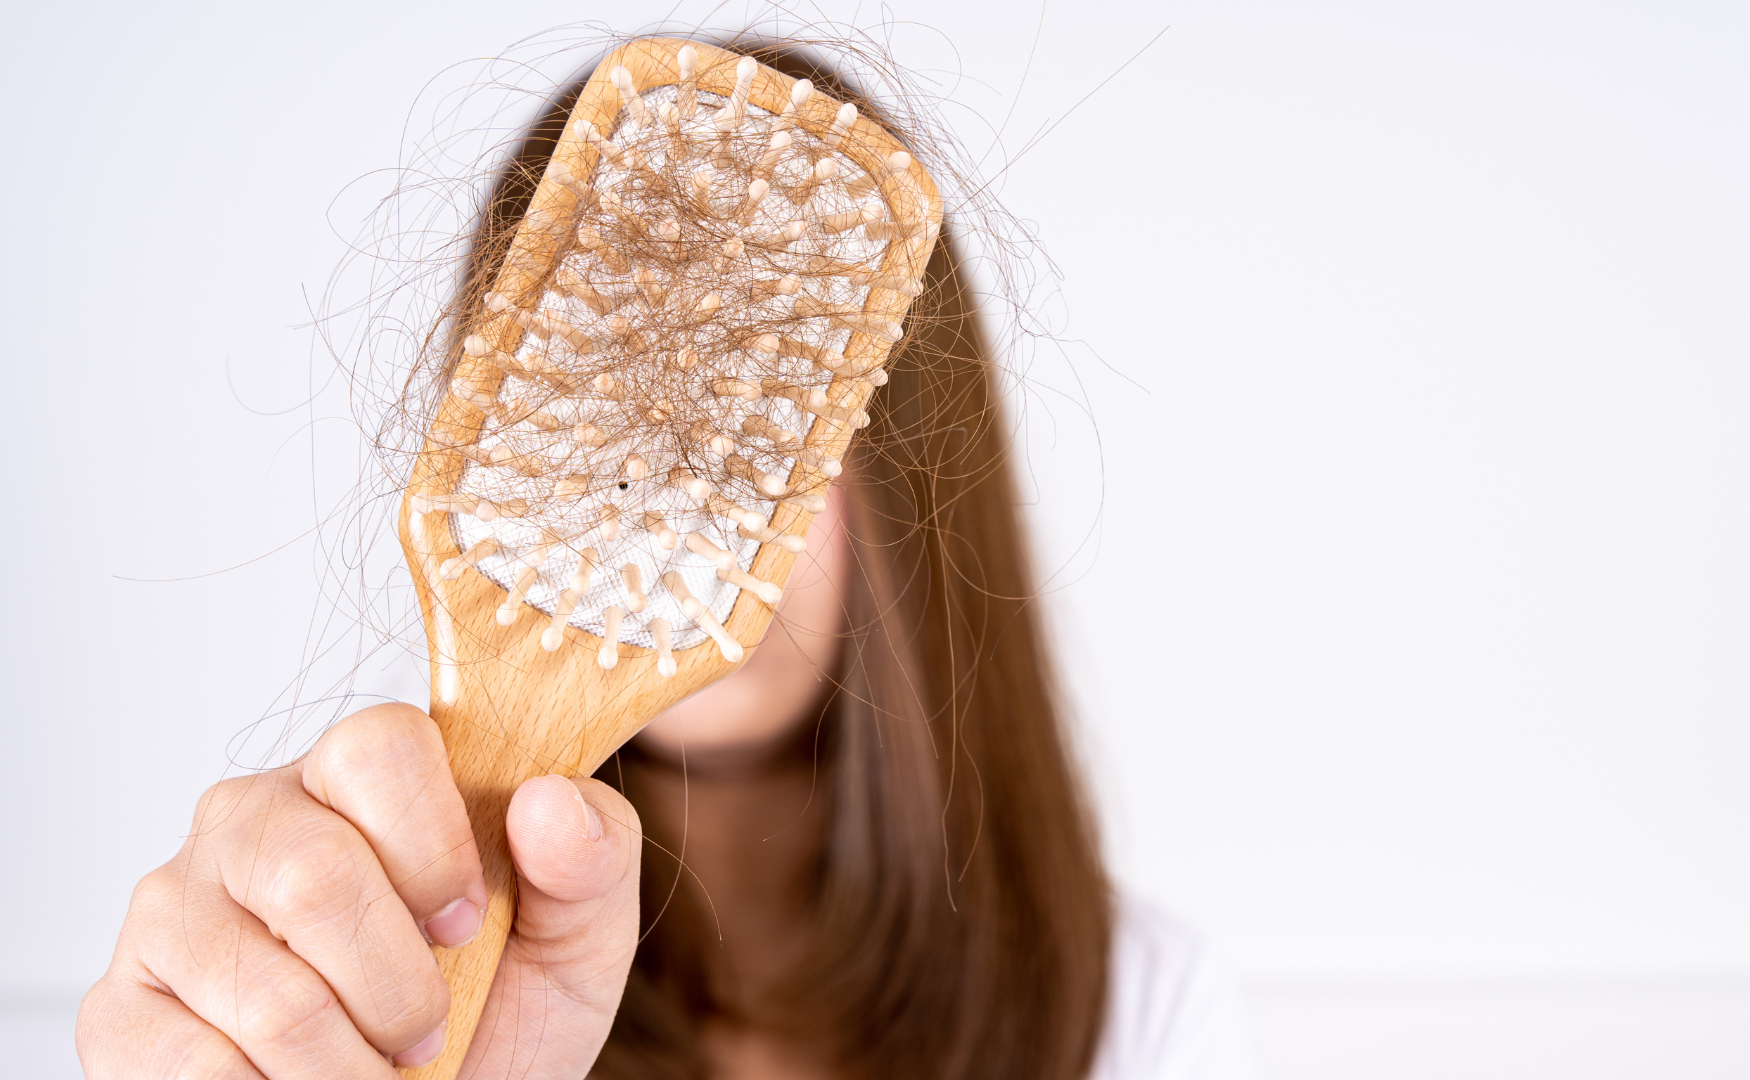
(684, 336)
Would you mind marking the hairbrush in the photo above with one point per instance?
(641, 417)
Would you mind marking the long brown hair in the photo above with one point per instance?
(960, 915)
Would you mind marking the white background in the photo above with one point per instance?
(1404, 593)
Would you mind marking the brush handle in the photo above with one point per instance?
(487, 776)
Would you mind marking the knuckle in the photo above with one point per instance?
(423, 1003)
(219, 802)
(96, 1014)
(204, 1054)
(284, 1010)
(110, 1043)
(157, 891)
(393, 737)
(313, 877)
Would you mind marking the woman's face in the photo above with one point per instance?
(739, 719)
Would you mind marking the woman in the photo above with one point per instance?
(866, 853)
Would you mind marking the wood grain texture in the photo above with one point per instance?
(508, 709)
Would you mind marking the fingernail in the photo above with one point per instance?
(455, 925)
(592, 821)
(427, 1050)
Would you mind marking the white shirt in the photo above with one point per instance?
(1174, 1011)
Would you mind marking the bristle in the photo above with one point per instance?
(622, 80)
(889, 230)
(849, 317)
(903, 286)
(775, 150)
(629, 217)
(765, 590)
(897, 164)
(784, 237)
(799, 95)
(702, 178)
(824, 358)
(471, 393)
(484, 509)
(761, 428)
(573, 488)
(542, 324)
(723, 151)
(631, 577)
(841, 123)
(742, 516)
(704, 434)
(518, 411)
(788, 285)
(735, 388)
(592, 242)
(706, 310)
(453, 568)
(608, 386)
(850, 219)
(701, 615)
(809, 504)
(824, 169)
(572, 282)
(608, 525)
(665, 665)
(654, 293)
(655, 524)
(563, 177)
(826, 464)
(587, 560)
(745, 69)
(765, 534)
(767, 483)
(503, 457)
(513, 603)
(609, 653)
(756, 191)
(695, 486)
(604, 147)
(814, 400)
(554, 635)
(686, 98)
(698, 545)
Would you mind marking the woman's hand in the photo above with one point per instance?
(287, 940)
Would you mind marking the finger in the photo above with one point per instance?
(576, 844)
(385, 770)
(556, 838)
(131, 1031)
(314, 882)
(229, 970)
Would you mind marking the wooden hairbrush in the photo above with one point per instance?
(683, 337)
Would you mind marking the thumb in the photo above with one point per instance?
(576, 844)
(571, 840)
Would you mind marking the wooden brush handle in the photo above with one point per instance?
(487, 780)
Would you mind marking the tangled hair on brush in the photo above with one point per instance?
(960, 917)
